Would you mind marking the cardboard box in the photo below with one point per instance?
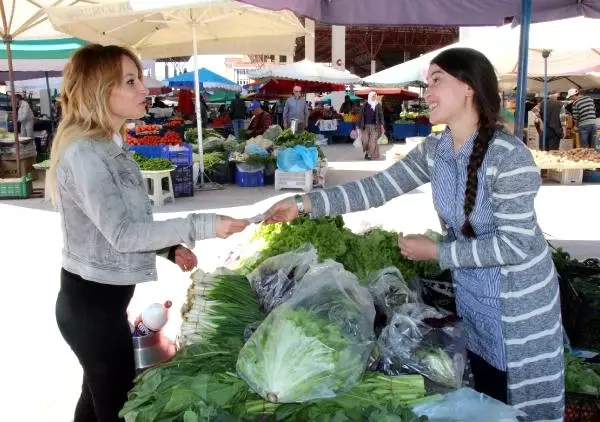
(8, 168)
(566, 144)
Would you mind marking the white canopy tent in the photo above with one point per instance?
(501, 46)
(160, 28)
(306, 70)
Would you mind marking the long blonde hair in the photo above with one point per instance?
(88, 80)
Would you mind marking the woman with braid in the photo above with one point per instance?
(484, 182)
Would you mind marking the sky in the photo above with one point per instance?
(215, 63)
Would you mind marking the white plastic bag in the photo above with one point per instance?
(314, 345)
(354, 133)
(358, 142)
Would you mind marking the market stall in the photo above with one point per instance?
(306, 323)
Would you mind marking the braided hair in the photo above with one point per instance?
(474, 69)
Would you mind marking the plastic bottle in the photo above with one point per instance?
(152, 319)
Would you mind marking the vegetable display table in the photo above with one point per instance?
(153, 181)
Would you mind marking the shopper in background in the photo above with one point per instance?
(484, 182)
(24, 117)
(584, 118)
(346, 107)
(238, 114)
(261, 120)
(554, 128)
(296, 108)
(371, 124)
(110, 237)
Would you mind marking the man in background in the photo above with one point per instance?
(584, 117)
(554, 126)
(261, 120)
(296, 108)
(238, 114)
(24, 116)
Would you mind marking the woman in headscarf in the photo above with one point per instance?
(371, 125)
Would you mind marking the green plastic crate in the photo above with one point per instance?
(16, 188)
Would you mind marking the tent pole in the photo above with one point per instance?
(197, 106)
(50, 102)
(522, 75)
(545, 55)
(13, 100)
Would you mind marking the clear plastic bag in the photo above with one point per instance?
(383, 140)
(358, 141)
(314, 345)
(467, 405)
(274, 281)
(272, 133)
(390, 291)
(420, 339)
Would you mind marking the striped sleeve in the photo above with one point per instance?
(517, 238)
(405, 175)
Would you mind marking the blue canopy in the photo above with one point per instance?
(207, 78)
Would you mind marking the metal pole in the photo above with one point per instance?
(522, 75)
(197, 97)
(13, 100)
(50, 102)
(545, 55)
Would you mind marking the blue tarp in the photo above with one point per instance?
(207, 78)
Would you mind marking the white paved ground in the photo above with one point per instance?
(40, 377)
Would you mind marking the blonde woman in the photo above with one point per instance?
(371, 123)
(110, 238)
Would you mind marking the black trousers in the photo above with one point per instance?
(93, 321)
(488, 380)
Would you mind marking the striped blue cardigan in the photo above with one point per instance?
(529, 291)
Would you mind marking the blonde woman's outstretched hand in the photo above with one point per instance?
(226, 226)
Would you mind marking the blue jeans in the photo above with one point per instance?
(587, 136)
(238, 125)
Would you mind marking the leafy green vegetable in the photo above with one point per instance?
(152, 164)
(438, 365)
(213, 159)
(581, 377)
(314, 345)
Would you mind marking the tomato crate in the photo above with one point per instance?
(179, 155)
(16, 187)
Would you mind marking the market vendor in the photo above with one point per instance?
(111, 240)
(484, 182)
(584, 116)
(25, 117)
(346, 107)
(261, 120)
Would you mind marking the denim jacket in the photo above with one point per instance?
(109, 233)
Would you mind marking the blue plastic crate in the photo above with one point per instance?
(249, 180)
(180, 155)
(423, 129)
(401, 131)
(591, 176)
(148, 151)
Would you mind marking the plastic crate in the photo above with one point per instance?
(294, 180)
(183, 181)
(567, 176)
(16, 188)
(402, 131)
(591, 176)
(179, 155)
(247, 179)
(148, 151)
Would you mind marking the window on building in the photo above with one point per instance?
(282, 59)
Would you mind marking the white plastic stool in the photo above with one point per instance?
(153, 181)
